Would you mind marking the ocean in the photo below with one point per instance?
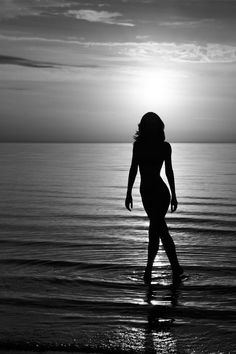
(72, 257)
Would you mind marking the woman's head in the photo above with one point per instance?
(150, 128)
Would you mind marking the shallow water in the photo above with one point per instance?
(72, 258)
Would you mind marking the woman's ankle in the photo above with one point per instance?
(177, 270)
(147, 278)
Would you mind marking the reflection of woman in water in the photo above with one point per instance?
(149, 152)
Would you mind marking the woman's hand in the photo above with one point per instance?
(173, 204)
(129, 202)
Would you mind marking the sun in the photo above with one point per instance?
(155, 89)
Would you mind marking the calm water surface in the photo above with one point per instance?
(72, 257)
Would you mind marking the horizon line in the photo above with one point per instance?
(107, 142)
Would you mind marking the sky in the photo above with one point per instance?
(86, 71)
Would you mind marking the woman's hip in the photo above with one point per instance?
(155, 200)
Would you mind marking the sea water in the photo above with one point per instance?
(72, 257)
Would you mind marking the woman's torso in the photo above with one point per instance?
(150, 158)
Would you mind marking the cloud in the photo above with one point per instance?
(188, 23)
(181, 52)
(106, 17)
(185, 52)
(39, 39)
(12, 9)
(11, 60)
(17, 8)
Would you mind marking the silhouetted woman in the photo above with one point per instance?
(150, 150)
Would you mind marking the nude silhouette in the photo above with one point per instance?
(150, 150)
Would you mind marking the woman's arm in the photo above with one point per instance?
(132, 175)
(170, 177)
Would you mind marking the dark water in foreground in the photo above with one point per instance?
(72, 258)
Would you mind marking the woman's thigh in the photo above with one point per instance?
(156, 202)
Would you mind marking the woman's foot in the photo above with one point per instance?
(147, 278)
(180, 271)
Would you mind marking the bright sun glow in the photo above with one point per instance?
(155, 88)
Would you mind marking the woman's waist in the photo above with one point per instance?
(154, 182)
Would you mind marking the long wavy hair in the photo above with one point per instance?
(150, 129)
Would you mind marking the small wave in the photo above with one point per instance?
(219, 204)
(65, 263)
(125, 306)
(105, 280)
(111, 227)
(210, 213)
(35, 346)
(204, 198)
(203, 231)
(106, 265)
(53, 243)
(209, 217)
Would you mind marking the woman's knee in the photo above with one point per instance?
(158, 223)
(154, 239)
(153, 244)
(167, 240)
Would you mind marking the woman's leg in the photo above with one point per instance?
(169, 247)
(153, 246)
(156, 209)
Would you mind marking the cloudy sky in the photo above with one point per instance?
(88, 70)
